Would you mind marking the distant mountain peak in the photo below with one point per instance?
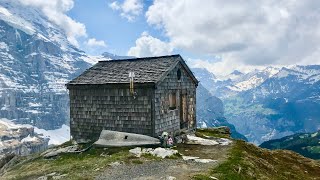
(114, 56)
(236, 72)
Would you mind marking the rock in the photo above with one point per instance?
(4, 159)
(170, 178)
(136, 151)
(205, 160)
(222, 130)
(20, 140)
(159, 152)
(211, 177)
(224, 141)
(114, 164)
(147, 151)
(196, 159)
(191, 139)
(59, 176)
(55, 152)
(197, 140)
(186, 158)
(120, 139)
(53, 175)
(42, 178)
(164, 152)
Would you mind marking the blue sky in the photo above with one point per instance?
(105, 24)
(217, 35)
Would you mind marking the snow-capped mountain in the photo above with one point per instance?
(252, 79)
(271, 103)
(297, 82)
(235, 82)
(36, 60)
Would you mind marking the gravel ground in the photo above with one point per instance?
(163, 169)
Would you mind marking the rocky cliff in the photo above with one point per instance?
(20, 140)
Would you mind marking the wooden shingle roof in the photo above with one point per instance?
(146, 70)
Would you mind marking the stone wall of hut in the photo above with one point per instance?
(166, 118)
(97, 107)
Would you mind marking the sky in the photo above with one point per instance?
(220, 36)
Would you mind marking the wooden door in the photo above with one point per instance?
(183, 111)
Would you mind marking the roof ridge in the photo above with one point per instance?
(140, 58)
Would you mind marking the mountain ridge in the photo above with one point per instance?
(273, 106)
(306, 144)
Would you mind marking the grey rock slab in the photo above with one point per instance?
(120, 139)
(55, 152)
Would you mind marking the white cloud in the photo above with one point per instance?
(115, 5)
(129, 9)
(147, 45)
(222, 68)
(55, 10)
(93, 42)
(245, 32)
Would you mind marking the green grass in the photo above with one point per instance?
(84, 165)
(151, 157)
(314, 149)
(211, 132)
(76, 166)
(231, 169)
(201, 177)
(236, 106)
(137, 161)
(246, 161)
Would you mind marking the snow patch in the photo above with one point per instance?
(31, 104)
(16, 22)
(201, 141)
(29, 139)
(94, 59)
(205, 160)
(249, 84)
(56, 136)
(5, 11)
(4, 46)
(11, 125)
(203, 124)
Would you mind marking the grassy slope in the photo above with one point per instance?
(76, 166)
(247, 161)
(306, 144)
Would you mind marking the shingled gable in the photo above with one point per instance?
(147, 70)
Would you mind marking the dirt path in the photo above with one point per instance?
(166, 168)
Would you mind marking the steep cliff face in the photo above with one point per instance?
(20, 140)
(210, 112)
(36, 60)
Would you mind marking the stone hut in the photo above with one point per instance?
(140, 95)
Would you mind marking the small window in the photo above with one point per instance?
(172, 101)
(179, 74)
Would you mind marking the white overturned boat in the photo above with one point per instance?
(120, 139)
